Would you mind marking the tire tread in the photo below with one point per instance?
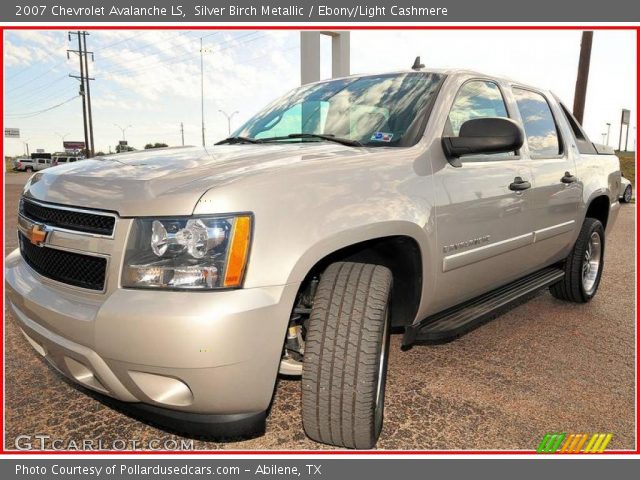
(342, 351)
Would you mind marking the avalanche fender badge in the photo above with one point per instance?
(382, 137)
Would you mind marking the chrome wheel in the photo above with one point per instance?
(627, 194)
(591, 263)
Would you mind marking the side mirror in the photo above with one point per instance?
(483, 135)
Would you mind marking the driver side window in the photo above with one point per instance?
(476, 99)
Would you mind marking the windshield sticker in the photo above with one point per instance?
(382, 137)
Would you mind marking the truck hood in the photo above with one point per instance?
(169, 181)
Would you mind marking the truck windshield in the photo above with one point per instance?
(379, 110)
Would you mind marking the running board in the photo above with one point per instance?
(456, 321)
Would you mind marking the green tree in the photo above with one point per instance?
(155, 145)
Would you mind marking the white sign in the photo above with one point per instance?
(40, 150)
(11, 133)
(626, 116)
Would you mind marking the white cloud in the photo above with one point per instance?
(151, 79)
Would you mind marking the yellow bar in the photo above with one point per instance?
(567, 442)
(607, 439)
(594, 437)
(596, 445)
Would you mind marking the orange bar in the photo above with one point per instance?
(572, 448)
(581, 443)
(567, 442)
(238, 252)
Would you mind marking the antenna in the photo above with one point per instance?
(417, 65)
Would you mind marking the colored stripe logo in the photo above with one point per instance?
(574, 443)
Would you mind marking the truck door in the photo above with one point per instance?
(556, 191)
(483, 207)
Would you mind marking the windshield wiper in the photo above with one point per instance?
(331, 138)
(234, 140)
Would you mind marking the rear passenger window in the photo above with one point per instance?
(583, 143)
(539, 125)
(476, 99)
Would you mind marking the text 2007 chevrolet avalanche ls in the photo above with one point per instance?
(181, 281)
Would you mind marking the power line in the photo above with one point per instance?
(39, 112)
(20, 72)
(119, 42)
(17, 87)
(126, 90)
(65, 91)
(183, 57)
(144, 46)
(31, 93)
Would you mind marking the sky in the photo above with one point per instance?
(148, 82)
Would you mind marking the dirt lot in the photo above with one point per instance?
(546, 366)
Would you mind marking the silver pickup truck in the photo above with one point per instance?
(178, 283)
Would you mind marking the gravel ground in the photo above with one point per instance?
(546, 366)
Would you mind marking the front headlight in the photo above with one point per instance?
(188, 253)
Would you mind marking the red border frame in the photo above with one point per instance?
(309, 27)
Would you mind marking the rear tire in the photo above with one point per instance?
(346, 355)
(628, 193)
(583, 266)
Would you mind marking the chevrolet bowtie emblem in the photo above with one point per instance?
(37, 235)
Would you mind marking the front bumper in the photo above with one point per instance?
(195, 353)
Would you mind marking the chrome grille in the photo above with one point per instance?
(68, 218)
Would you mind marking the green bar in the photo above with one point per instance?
(559, 440)
(543, 444)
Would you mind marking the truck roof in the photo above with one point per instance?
(442, 71)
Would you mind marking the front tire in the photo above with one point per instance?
(346, 355)
(628, 193)
(583, 266)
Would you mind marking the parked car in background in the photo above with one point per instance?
(41, 163)
(24, 164)
(626, 190)
(64, 159)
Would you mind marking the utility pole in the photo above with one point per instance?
(86, 69)
(202, 88)
(229, 117)
(84, 80)
(620, 138)
(608, 132)
(583, 76)
(26, 144)
(626, 141)
(182, 132)
(603, 136)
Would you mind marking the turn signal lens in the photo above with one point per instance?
(238, 252)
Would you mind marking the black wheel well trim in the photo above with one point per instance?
(598, 208)
(401, 254)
